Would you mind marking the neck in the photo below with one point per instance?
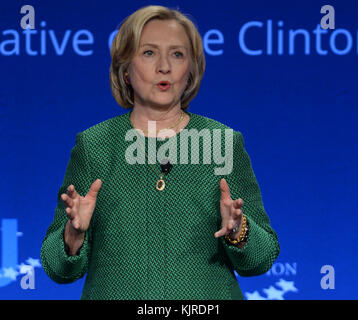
(164, 118)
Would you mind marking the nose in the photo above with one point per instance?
(163, 64)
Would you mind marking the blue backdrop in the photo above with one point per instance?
(289, 86)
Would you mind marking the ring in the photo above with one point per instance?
(234, 230)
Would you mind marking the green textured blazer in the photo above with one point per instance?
(148, 244)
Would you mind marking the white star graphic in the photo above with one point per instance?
(10, 273)
(254, 296)
(25, 268)
(287, 285)
(33, 262)
(21, 266)
(273, 293)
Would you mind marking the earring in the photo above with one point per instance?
(126, 78)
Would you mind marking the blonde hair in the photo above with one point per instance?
(126, 43)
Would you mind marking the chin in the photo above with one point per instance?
(163, 103)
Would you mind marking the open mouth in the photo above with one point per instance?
(163, 85)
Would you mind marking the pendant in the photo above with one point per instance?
(160, 185)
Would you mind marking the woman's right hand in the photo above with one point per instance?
(80, 209)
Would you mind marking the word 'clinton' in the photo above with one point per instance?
(211, 148)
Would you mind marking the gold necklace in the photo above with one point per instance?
(171, 127)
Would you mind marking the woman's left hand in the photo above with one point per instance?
(231, 212)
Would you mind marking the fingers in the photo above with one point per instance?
(227, 229)
(234, 221)
(71, 197)
(225, 190)
(220, 233)
(237, 213)
(94, 189)
(69, 213)
(70, 194)
(238, 203)
(230, 224)
(69, 205)
(71, 191)
(67, 200)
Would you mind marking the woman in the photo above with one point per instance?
(149, 230)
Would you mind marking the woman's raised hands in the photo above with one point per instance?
(231, 212)
(80, 209)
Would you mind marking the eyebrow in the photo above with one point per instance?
(170, 47)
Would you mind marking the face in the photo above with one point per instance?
(159, 71)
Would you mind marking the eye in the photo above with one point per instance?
(178, 54)
(148, 53)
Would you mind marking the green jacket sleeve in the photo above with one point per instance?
(57, 264)
(262, 247)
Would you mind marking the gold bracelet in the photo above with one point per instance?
(242, 234)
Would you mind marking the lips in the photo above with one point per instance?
(163, 85)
